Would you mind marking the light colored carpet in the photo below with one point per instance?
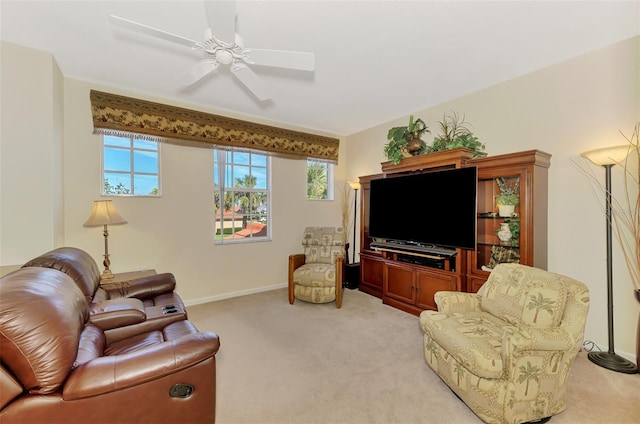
(363, 363)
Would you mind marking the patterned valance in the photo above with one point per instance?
(113, 114)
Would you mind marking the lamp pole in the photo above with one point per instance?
(355, 185)
(607, 158)
(355, 210)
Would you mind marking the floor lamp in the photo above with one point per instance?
(356, 186)
(608, 157)
(104, 213)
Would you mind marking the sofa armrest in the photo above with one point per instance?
(141, 288)
(453, 301)
(117, 372)
(526, 339)
(108, 314)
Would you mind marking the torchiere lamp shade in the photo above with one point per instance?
(607, 155)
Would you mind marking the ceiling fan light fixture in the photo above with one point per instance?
(224, 57)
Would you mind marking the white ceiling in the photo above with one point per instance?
(375, 60)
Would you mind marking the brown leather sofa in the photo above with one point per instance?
(56, 366)
(116, 306)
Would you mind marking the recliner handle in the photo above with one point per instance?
(181, 390)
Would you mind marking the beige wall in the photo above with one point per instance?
(564, 109)
(31, 200)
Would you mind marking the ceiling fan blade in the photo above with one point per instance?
(197, 72)
(251, 81)
(126, 23)
(221, 16)
(282, 59)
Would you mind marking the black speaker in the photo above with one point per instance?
(352, 276)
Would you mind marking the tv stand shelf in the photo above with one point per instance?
(435, 252)
(432, 260)
(408, 276)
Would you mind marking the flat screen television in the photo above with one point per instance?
(436, 208)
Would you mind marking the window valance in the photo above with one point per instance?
(113, 114)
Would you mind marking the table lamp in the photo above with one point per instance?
(104, 213)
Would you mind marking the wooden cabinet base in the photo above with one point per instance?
(403, 306)
(371, 274)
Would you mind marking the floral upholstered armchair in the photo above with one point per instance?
(316, 275)
(506, 351)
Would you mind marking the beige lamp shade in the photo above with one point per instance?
(104, 213)
(354, 185)
(607, 155)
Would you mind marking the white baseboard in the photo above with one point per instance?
(233, 294)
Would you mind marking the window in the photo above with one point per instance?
(242, 197)
(319, 180)
(130, 166)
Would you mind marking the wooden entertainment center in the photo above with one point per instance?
(408, 280)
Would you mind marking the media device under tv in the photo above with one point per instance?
(434, 212)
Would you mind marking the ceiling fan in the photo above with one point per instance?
(222, 45)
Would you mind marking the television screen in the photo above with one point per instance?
(432, 208)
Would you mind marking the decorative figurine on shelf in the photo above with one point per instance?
(504, 234)
(509, 196)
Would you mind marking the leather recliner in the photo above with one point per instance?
(115, 306)
(58, 367)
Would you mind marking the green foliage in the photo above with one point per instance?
(398, 138)
(121, 189)
(399, 134)
(247, 201)
(118, 189)
(316, 180)
(455, 133)
(509, 191)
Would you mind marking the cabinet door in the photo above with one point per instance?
(399, 282)
(429, 283)
(371, 275)
(475, 282)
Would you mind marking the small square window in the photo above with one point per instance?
(130, 166)
(319, 180)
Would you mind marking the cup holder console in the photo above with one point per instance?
(169, 309)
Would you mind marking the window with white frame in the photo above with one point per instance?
(242, 196)
(130, 166)
(319, 180)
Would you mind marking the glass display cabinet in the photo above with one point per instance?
(517, 235)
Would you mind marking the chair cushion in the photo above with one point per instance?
(42, 314)
(523, 295)
(474, 339)
(171, 332)
(315, 283)
(315, 275)
(323, 244)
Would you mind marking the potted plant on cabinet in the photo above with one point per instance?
(403, 140)
(455, 133)
(509, 196)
